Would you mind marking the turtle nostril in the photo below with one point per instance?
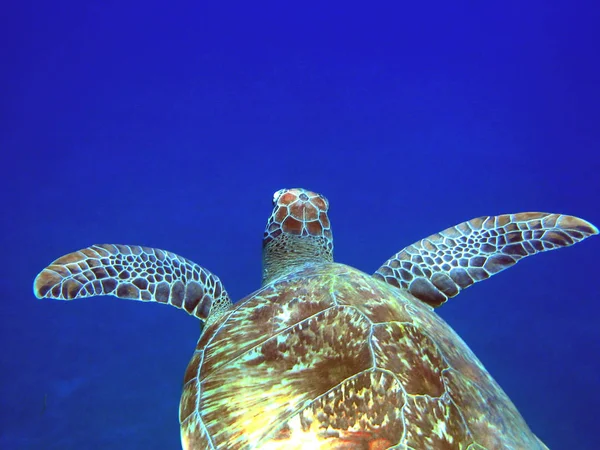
(303, 197)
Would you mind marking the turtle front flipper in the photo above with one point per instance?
(438, 267)
(135, 273)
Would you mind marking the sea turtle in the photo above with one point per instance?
(324, 356)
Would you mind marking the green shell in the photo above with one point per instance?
(329, 357)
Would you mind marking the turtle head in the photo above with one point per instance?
(297, 233)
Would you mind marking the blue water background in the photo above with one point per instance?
(172, 126)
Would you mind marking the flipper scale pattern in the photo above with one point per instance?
(441, 265)
(136, 273)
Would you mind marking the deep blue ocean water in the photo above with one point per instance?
(172, 126)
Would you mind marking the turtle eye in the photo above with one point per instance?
(324, 200)
(277, 194)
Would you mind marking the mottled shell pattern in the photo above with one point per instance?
(330, 358)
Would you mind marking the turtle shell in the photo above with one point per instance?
(329, 357)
